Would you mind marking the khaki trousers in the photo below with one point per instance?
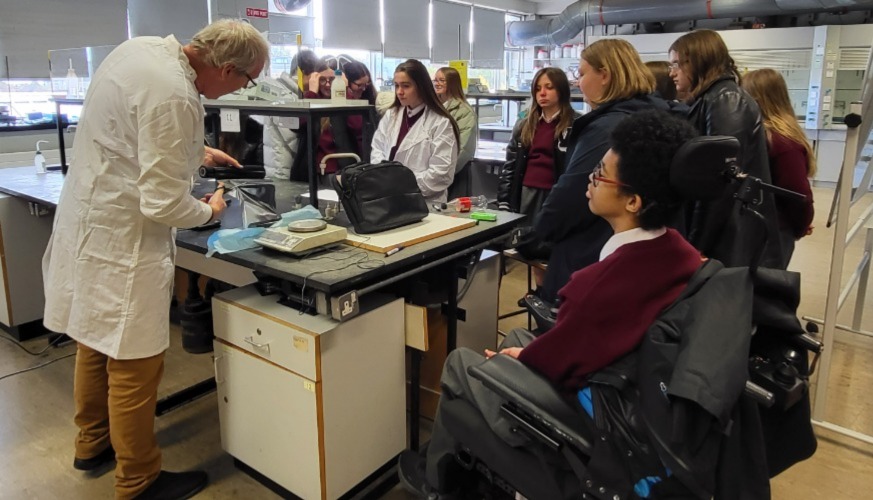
(115, 402)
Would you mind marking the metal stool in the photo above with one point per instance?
(531, 264)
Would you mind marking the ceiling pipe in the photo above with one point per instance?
(566, 25)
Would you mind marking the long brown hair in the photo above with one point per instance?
(559, 80)
(629, 77)
(454, 90)
(355, 70)
(769, 90)
(704, 58)
(417, 72)
(664, 85)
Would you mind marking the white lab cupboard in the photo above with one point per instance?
(312, 404)
(24, 235)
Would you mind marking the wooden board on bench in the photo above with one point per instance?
(432, 226)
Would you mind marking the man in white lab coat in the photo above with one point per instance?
(108, 270)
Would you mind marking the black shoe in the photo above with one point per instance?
(89, 464)
(175, 486)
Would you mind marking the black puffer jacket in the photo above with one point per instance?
(511, 176)
(717, 228)
(565, 221)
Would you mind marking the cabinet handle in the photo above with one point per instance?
(251, 341)
(216, 363)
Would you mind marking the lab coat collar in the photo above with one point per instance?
(419, 132)
(171, 41)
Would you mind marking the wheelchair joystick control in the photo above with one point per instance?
(785, 374)
(791, 356)
(544, 313)
(780, 377)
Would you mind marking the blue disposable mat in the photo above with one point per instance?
(234, 240)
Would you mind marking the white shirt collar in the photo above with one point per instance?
(629, 236)
(551, 118)
(410, 112)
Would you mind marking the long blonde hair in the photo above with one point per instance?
(629, 77)
(769, 90)
(559, 80)
(454, 90)
(704, 58)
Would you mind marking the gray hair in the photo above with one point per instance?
(231, 41)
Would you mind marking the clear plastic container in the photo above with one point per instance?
(72, 82)
(39, 159)
(338, 88)
(467, 203)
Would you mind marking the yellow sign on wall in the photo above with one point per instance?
(461, 67)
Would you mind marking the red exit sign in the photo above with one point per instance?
(251, 12)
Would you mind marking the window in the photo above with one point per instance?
(27, 103)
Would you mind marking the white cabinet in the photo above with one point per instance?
(23, 239)
(312, 404)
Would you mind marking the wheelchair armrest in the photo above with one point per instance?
(535, 396)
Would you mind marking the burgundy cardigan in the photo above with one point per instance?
(788, 170)
(608, 306)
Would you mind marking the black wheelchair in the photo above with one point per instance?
(693, 412)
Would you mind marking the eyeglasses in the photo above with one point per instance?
(361, 86)
(597, 178)
(441, 81)
(674, 66)
(326, 80)
(251, 82)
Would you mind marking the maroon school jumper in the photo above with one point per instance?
(608, 306)
(326, 142)
(540, 170)
(788, 163)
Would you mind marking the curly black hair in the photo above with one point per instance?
(645, 143)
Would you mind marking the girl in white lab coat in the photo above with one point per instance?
(418, 132)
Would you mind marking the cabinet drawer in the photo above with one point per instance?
(267, 338)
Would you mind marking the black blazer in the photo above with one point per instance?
(565, 221)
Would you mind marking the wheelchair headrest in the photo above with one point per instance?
(700, 167)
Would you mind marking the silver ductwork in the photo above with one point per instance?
(565, 26)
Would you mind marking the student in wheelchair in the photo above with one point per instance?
(605, 310)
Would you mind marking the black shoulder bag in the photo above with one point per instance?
(378, 197)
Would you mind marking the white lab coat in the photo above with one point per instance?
(429, 150)
(280, 142)
(109, 266)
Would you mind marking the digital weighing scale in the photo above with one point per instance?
(301, 236)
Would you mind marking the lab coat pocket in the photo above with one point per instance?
(108, 245)
(417, 141)
(418, 157)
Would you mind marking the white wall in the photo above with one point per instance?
(523, 6)
(544, 7)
